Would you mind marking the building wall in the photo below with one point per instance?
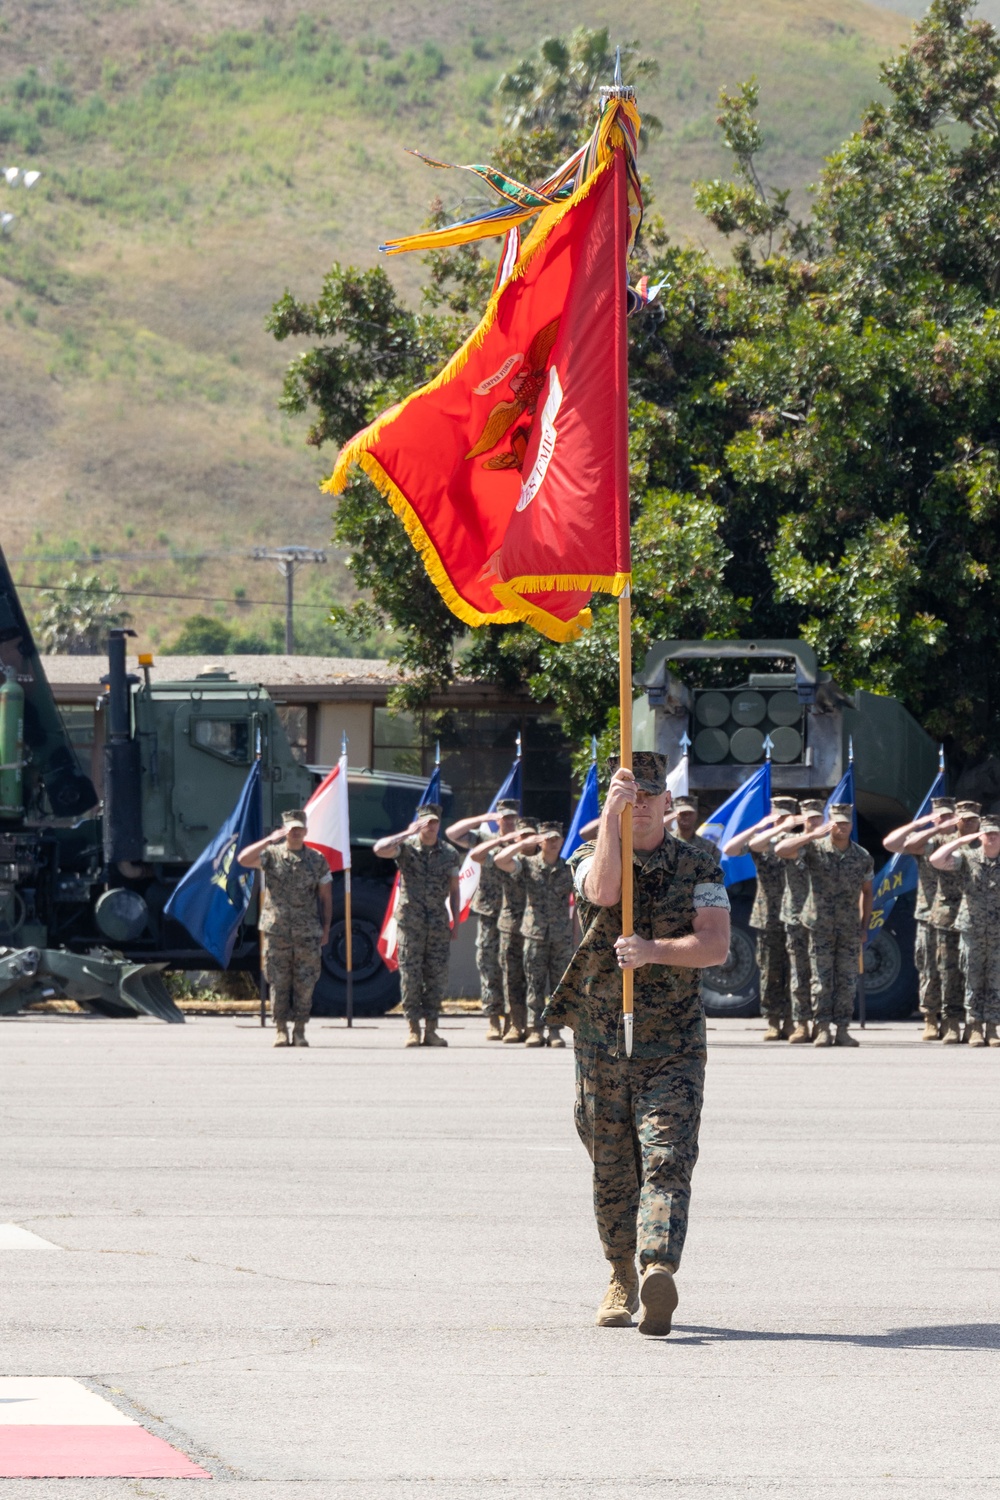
(332, 721)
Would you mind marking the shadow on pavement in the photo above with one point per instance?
(943, 1336)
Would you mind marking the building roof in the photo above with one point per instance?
(271, 671)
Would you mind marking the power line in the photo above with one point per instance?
(75, 588)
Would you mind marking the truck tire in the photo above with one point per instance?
(376, 988)
(733, 988)
(890, 973)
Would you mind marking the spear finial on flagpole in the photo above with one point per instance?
(685, 743)
(850, 749)
(940, 757)
(343, 742)
(618, 67)
(768, 746)
(437, 752)
(593, 747)
(518, 743)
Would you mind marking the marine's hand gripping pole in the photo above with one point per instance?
(625, 708)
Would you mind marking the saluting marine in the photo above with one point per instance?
(683, 815)
(837, 913)
(487, 901)
(796, 933)
(978, 922)
(515, 987)
(428, 871)
(547, 923)
(772, 955)
(294, 922)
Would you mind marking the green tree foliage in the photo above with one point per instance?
(814, 439)
(76, 617)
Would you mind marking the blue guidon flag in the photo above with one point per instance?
(740, 811)
(212, 899)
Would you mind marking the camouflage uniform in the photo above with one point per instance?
(925, 946)
(426, 873)
(772, 955)
(290, 928)
(638, 1117)
(547, 929)
(793, 901)
(515, 991)
(978, 922)
(833, 916)
(943, 939)
(486, 904)
(704, 845)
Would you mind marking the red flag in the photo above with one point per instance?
(510, 469)
(329, 823)
(388, 938)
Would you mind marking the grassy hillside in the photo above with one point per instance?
(198, 159)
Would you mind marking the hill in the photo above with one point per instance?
(197, 161)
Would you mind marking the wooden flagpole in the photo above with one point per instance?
(348, 934)
(625, 710)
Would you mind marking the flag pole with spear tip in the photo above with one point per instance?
(348, 931)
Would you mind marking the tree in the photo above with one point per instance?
(77, 616)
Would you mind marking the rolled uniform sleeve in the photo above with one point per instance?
(710, 893)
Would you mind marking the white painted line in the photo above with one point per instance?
(13, 1237)
(54, 1401)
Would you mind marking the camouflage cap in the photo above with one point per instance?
(990, 824)
(525, 825)
(784, 805)
(812, 807)
(942, 804)
(649, 768)
(684, 803)
(295, 817)
(842, 812)
(546, 830)
(428, 810)
(508, 805)
(968, 809)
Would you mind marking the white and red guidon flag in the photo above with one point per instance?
(388, 938)
(329, 820)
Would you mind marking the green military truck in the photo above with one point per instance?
(87, 866)
(723, 721)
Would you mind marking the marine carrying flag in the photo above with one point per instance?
(329, 818)
(388, 938)
(469, 874)
(212, 898)
(509, 470)
(899, 875)
(740, 811)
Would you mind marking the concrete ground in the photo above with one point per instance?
(358, 1271)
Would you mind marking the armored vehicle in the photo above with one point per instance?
(88, 863)
(728, 719)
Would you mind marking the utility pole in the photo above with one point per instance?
(288, 560)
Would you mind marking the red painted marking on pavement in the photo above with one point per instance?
(91, 1452)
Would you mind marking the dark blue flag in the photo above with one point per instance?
(212, 899)
(511, 787)
(899, 876)
(432, 791)
(587, 809)
(740, 811)
(844, 792)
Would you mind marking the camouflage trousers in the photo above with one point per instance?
(422, 954)
(939, 970)
(545, 961)
(772, 961)
(799, 972)
(639, 1118)
(291, 967)
(515, 991)
(981, 966)
(834, 957)
(488, 964)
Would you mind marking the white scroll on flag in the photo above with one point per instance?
(329, 819)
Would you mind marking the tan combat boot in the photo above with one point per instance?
(974, 1034)
(952, 1033)
(516, 1026)
(413, 1034)
(494, 1031)
(801, 1032)
(821, 1036)
(844, 1038)
(281, 1035)
(555, 1037)
(432, 1037)
(930, 1029)
(773, 1032)
(992, 1037)
(299, 1034)
(621, 1298)
(535, 1037)
(658, 1296)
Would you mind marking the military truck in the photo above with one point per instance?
(87, 866)
(724, 721)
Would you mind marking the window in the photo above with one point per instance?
(229, 739)
(294, 719)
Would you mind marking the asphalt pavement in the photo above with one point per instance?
(368, 1272)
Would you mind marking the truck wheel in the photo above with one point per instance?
(376, 988)
(890, 973)
(733, 988)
